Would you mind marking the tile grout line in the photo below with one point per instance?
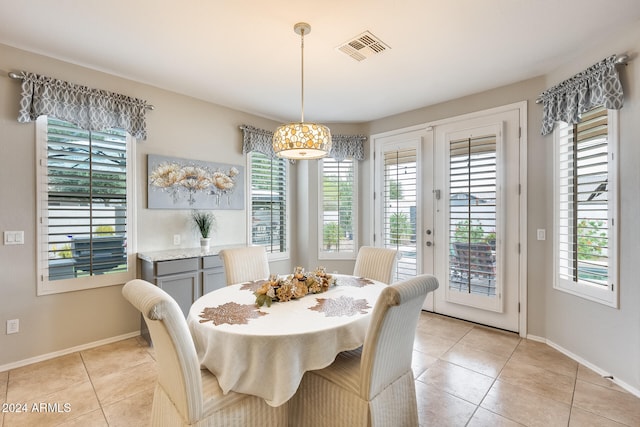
(493, 383)
(474, 326)
(573, 394)
(473, 414)
(6, 396)
(93, 387)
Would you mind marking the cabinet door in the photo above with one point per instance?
(212, 274)
(213, 279)
(182, 287)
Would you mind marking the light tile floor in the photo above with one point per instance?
(466, 375)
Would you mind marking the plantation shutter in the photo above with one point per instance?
(583, 223)
(85, 213)
(338, 185)
(472, 214)
(400, 202)
(268, 202)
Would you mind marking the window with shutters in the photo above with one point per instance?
(269, 201)
(338, 215)
(472, 215)
(400, 204)
(84, 205)
(585, 261)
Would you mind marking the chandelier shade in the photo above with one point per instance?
(302, 140)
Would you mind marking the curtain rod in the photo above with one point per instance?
(620, 59)
(17, 76)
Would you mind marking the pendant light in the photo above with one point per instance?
(302, 140)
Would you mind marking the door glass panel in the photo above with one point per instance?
(400, 201)
(472, 215)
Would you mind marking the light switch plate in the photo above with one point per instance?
(542, 234)
(14, 237)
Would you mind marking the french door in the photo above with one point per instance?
(400, 199)
(448, 198)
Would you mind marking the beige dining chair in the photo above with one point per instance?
(376, 263)
(185, 395)
(372, 385)
(245, 264)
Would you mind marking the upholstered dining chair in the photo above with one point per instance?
(185, 395)
(376, 263)
(372, 385)
(245, 264)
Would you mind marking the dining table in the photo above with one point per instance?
(265, 350)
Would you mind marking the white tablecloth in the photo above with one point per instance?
(267, 355)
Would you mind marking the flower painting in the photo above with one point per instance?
(193, 184)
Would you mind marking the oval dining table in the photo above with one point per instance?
(265, 351)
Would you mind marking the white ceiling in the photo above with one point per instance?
(244, 54)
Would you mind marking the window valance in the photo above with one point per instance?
(347, 146)
(259, 140)
(342, 146)
(87, 108)
(597, 85)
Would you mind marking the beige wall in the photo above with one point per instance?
(185, 127)
(607, 337)
(179, 126)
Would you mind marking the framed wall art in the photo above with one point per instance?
(175, 183)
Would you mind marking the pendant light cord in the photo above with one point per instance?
(302, 75)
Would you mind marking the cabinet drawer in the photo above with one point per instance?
(176, 266)
(211, 261)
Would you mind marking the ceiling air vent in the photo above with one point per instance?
(363, 46)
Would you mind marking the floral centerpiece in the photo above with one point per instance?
(294, 286)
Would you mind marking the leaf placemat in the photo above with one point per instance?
(252, 286)
(231, 313)
(341, 306)
(355, 281)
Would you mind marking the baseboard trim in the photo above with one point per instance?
(64, 352)
(586, 363)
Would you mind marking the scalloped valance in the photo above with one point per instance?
(342, 146)
(87, 108)
(255, 139)
(347, 147)
(597, 85)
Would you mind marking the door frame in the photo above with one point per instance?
(423, 130)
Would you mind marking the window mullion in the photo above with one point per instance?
(574, 201)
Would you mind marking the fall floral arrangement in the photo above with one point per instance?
(294, 286)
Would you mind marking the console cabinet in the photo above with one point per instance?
(185, 274)
(185, 279)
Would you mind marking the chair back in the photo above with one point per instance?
(376, 263)
(388, 345)
(178, 367)
(245, 264)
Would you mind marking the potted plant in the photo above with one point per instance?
(204, 222)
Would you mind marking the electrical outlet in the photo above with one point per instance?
(176, 239)
(13, 326)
